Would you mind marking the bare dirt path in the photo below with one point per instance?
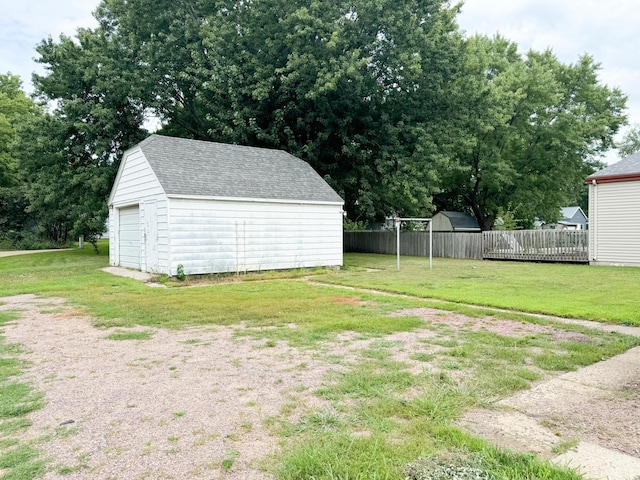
(588, 419)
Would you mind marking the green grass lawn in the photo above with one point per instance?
(403, 433)
(606, 294)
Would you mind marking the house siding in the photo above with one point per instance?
(614, 235)
(213, 236)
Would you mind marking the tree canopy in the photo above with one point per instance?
(354, 88)
(386, 99)
(530, 130)
(14, 106)
(630, 142)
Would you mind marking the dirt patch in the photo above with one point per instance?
(198, 403)
(564, 336)
(174, 406)
(350, 301)
(508, 328)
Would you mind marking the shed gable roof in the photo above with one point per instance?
(209, 169)
(626, 169)
(461, 220)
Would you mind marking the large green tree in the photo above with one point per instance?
(70, 158)
(383, 98)
(530, 130)
(355, 88)
(630, 143)
(16, 108)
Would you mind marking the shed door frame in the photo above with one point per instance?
(129, 237)
(150, 237)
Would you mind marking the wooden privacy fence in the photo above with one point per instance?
(529, 245)
(537, 245)
(445, 244)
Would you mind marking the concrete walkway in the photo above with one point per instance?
(11, 253)
(125, 272)
(586, 405)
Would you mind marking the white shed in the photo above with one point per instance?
(214, 208)
(614, 213)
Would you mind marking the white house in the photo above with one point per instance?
(614, 213)
(213, 208)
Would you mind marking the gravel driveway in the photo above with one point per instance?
(196, 403)
(187, 404)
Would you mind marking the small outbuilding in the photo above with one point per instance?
(454, 222)
(210, 208)
(614, 212)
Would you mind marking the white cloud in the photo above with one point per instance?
(25, 24)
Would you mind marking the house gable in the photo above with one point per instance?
(135, 180)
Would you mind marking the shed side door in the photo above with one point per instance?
(129, 238)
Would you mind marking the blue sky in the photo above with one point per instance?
(607, 30)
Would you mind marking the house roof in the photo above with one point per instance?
(210, 169)
(461, 220)
(624, 170)
(568, 213)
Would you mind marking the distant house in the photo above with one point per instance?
(212, 207)
(454, 222)
(614, 210)
(572, 218)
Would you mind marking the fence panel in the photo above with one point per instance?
(374, 241)
(528, 245)
(445, 244)
(537, 245)
(457, 245)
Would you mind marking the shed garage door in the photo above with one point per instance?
(130, 237)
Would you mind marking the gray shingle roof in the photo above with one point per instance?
(461, 220)
(628, 166)
(210, 169)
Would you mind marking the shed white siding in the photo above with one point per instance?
(237, 236)
(138, 185)
(614, 226)
(135, 181)
(184, 202)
